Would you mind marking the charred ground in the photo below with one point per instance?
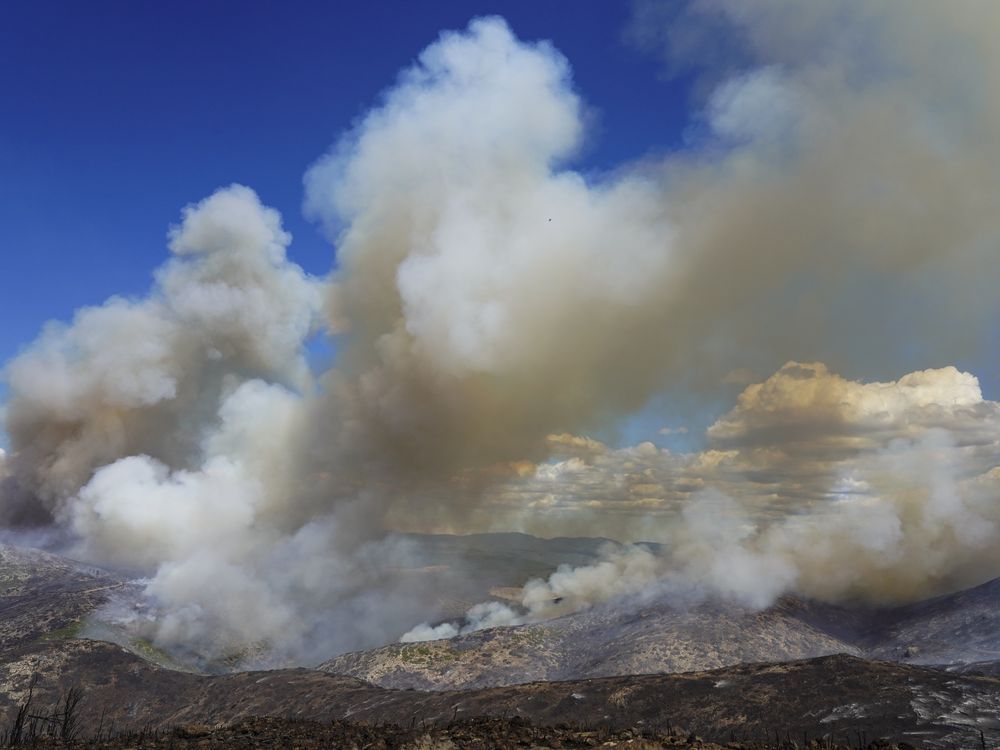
(840, 697)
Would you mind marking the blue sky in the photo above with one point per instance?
(114, 115)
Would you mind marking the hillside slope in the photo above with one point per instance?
(835, 696)
(958, 628)
(609, 640)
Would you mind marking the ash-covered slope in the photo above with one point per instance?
(958, 628)
(614, 639)
(618, 638)
(44, 596)
(47, 596)
(836, 696)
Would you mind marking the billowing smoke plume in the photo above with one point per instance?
(490, 297)
(873, 492)
(487, 297)
(626, 572)
(145, 377)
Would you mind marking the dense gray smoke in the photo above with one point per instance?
(492, 305)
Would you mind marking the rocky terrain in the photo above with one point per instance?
(484, 733)
(831, 697)
(958, 628)
(809, 677)
(960, 631)
(615, 639)
(43, 595)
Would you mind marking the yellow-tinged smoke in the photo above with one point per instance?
(837, 201)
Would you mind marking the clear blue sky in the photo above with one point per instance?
(114, 115)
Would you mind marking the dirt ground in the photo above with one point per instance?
(475, 734)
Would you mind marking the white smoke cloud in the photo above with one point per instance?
(167, 434)
(624, 571)
(468, 261)
(493, 303)
(425, 632)
(830, 488)
(141, 377)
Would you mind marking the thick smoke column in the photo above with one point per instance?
(469, 262)
(487, 296)
(906, 472)
(135, 377)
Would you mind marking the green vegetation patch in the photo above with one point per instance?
(146, 650)
(423, 654)
(533, 637)
(65, 633)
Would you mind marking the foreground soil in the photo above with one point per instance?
(838, 698)
(502, 734)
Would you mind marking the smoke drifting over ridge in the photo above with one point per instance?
(884, 492)
(182, 436)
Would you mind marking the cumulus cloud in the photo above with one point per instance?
(673, 430)
(809, 398)
(801, 436)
